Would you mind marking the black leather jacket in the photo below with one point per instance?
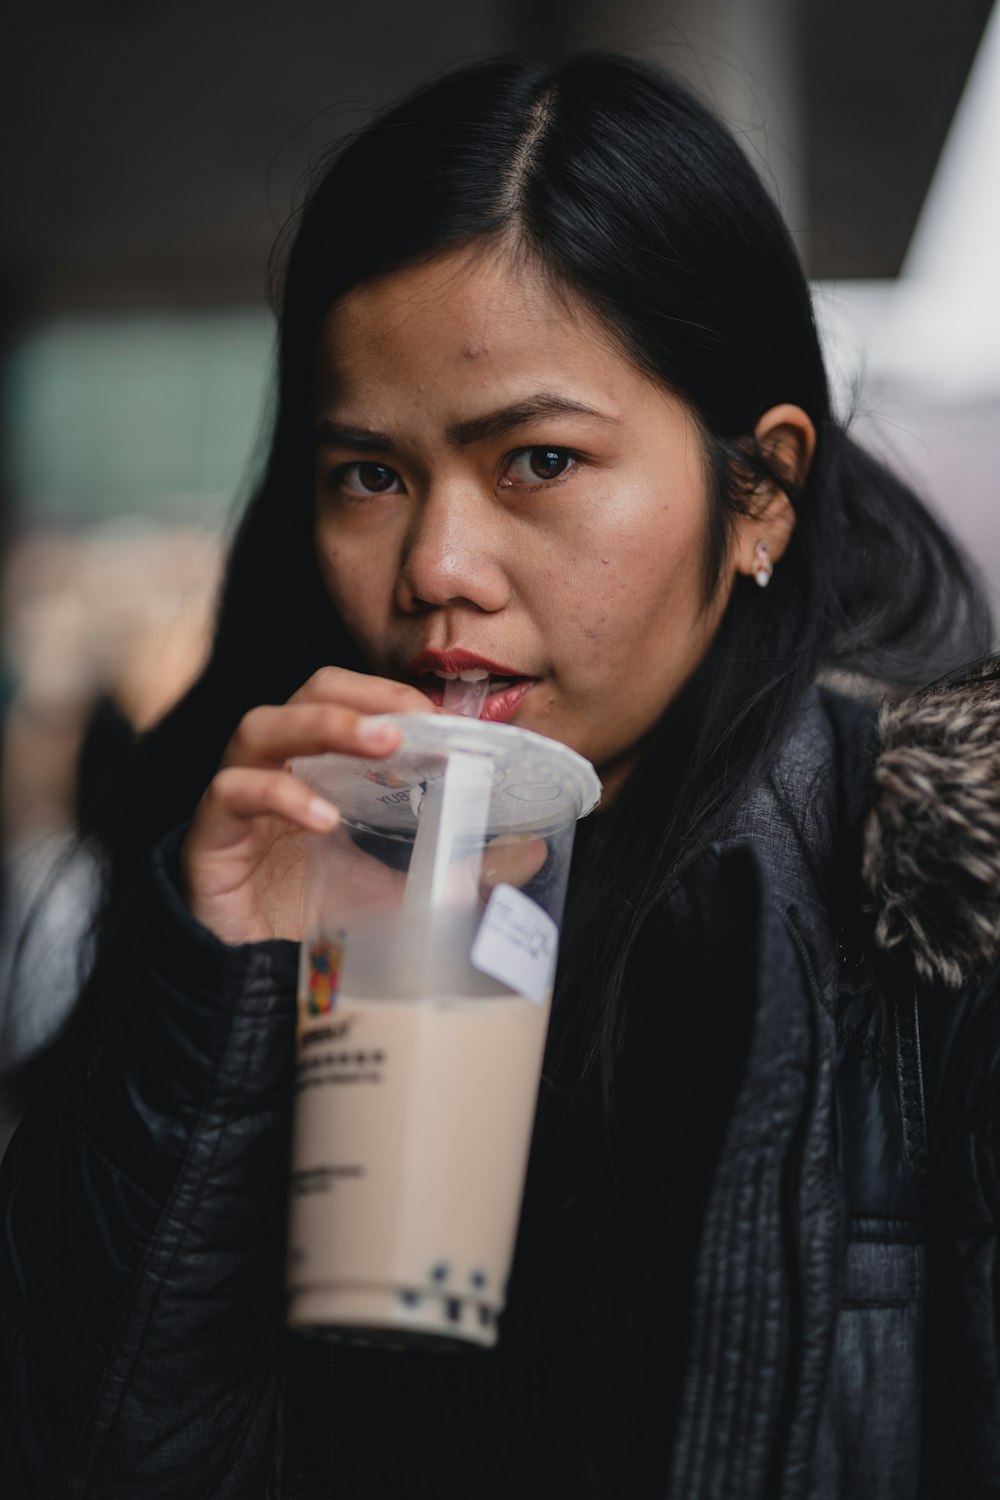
(795, 1297)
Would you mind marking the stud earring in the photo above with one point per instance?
(763, 567)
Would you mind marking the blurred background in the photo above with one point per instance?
(153, 153)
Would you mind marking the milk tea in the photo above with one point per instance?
(408, 1165)
(430, 931)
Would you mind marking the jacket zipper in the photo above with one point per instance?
(784, 1424)
(810, 1099)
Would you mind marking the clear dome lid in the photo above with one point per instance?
(536, 782)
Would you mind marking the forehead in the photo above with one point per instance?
(472, 316)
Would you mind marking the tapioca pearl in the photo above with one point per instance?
(486, 1317)
(409, 1298)
(453, 1309)
(477, 1278)
(441, 1271)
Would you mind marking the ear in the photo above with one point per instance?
(787, 438)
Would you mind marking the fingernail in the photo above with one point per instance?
(323, 814)
(376, 735)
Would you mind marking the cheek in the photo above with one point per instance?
(352, 581)
(636, 632)
(615, 593)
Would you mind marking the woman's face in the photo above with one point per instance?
(498, 489)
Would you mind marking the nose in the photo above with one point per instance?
(455, 552)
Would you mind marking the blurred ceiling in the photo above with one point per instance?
(882, 82)
(154, 150)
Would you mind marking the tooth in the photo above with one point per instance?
(446, 676)
(473, 674)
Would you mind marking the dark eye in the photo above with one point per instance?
(366, 479)
(533, 464)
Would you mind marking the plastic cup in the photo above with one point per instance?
(430, 933)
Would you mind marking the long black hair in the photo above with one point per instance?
(622, 187)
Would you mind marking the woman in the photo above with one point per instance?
(550, 395)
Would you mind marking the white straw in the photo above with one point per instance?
(456, 806)
(440, 881)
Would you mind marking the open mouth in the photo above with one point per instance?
(503, 699)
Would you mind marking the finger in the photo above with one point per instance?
(511, 862)
(271, 735)
(366, 694)
(239, 794)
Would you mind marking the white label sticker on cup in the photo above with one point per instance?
(516, 943)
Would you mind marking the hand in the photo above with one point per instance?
(244, 855)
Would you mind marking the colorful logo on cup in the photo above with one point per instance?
(387, 778)
(326, 958)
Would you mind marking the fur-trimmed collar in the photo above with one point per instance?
(932, 840)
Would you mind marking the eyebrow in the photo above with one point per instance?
(491, 424)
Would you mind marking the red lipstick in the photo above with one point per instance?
(500, 705)
(457, 661)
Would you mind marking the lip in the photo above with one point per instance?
(498, 707)
(457, 661)
(501, 706)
